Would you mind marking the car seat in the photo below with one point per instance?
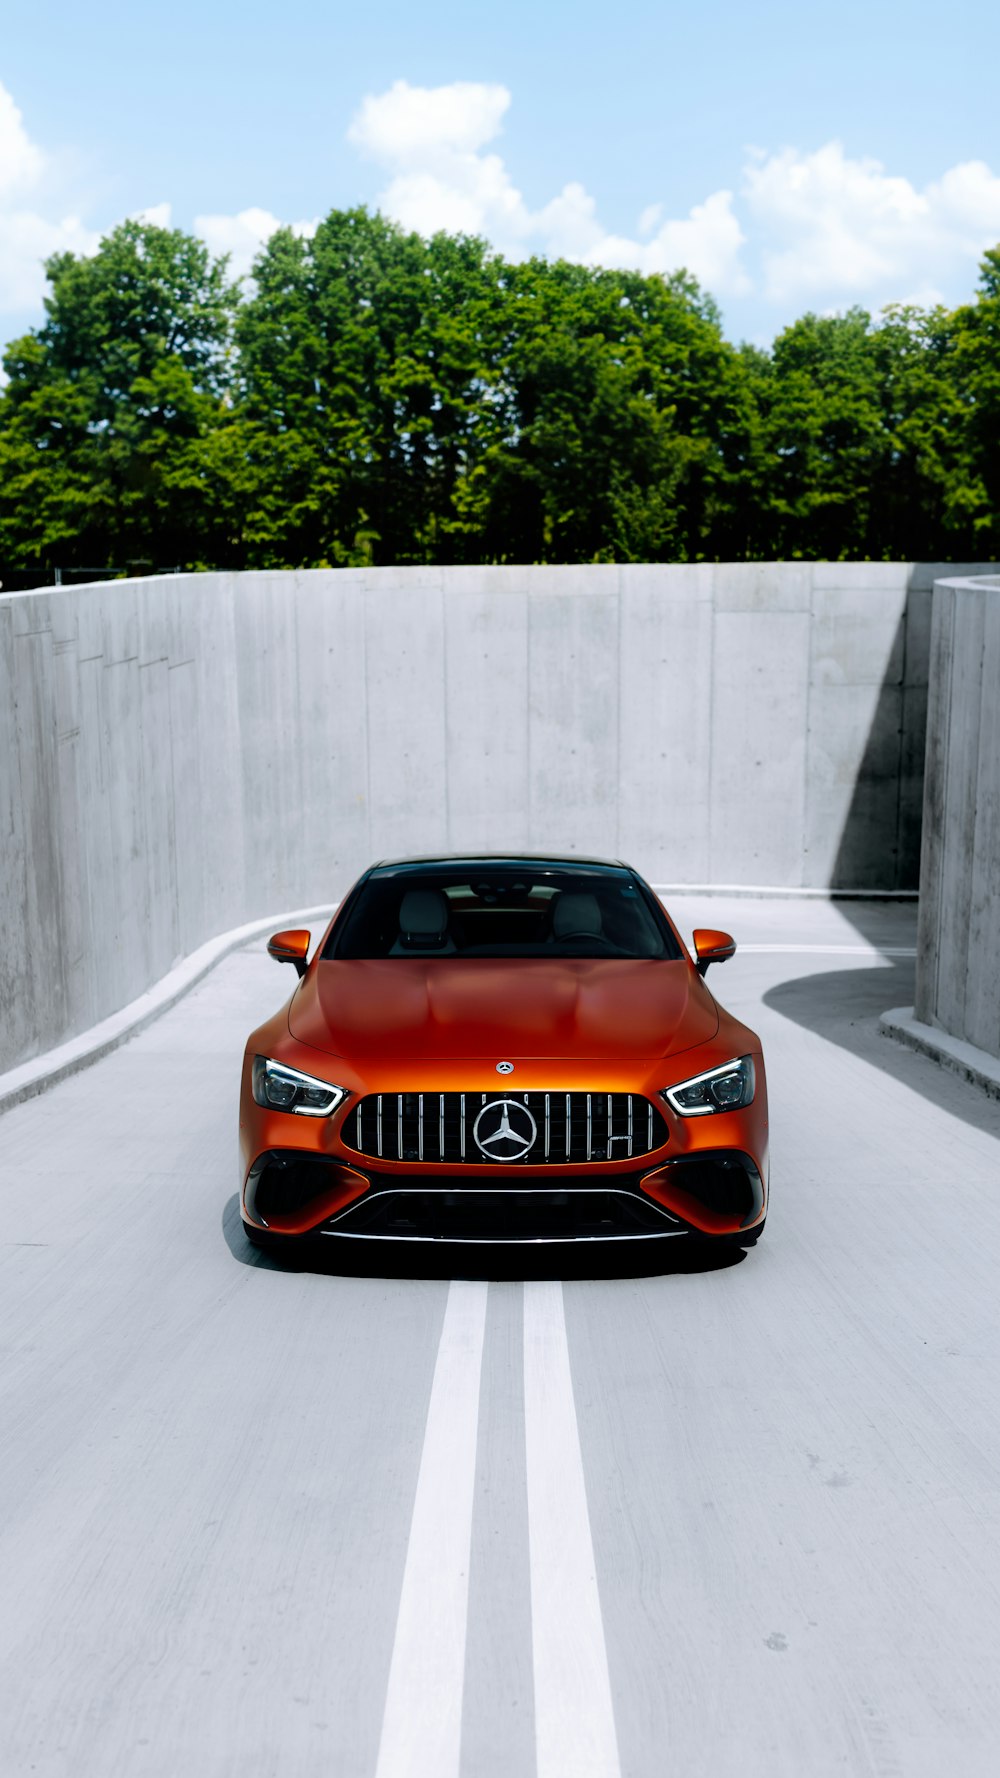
(423, 925)
(576, 916)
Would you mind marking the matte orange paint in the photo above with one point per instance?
(711, 945)
(409, 1024)
(291, 946)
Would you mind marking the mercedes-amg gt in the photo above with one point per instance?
(502, 1049)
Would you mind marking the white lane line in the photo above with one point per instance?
(422, 1724)
(574, 1716)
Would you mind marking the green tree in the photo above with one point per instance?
(825, 438)
(377, 397)
(108, 406)
(706, 389)
(615, 383)
(925, 493)
(368, 365)
(975, 365)
(405, 400)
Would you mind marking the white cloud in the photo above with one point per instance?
(32, 226)
(815, 228)
(242, 236)
(830, 228)
(818, 227)
(966, 201)
(27, 236)
(708, 242)
(430, 141)
(21, 162)
(157, 215)
(428, 121)
(26, 241)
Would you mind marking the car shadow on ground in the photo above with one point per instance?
(844, 1006)
(381, 1258)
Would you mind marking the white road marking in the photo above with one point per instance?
(574, 1716)
(422, 1724)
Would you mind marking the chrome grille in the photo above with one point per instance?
(571, 1128)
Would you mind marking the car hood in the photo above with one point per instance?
(577, 1008)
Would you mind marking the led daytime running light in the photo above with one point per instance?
(280, 1088)
(727, 1088)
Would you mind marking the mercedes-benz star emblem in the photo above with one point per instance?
(504, 1130)
(505, 1067)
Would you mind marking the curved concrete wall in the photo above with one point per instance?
(180, 755)
(958, 945)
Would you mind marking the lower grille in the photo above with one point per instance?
(546, 1213)
(484, 1129)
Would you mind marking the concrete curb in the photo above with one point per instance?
(976, 1066)
(756, 890)
(29, 1078)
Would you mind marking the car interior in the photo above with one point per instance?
(499, 914)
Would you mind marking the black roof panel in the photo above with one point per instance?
(514, 859)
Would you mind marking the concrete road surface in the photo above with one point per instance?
(641, 1516)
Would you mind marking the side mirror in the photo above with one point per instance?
(711, 946)
(291, 947)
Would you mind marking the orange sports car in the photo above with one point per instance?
(502, 1049)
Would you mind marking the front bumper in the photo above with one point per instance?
(305, 1176)
(718, 1193)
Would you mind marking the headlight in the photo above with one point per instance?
(285, 1089)
(728, 1088)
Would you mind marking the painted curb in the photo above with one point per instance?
(32, 1077)
(974, 1065)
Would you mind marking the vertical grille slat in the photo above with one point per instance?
(573, 1128)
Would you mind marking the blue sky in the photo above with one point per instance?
(793, 156)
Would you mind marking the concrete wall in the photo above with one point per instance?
(958, 958)
(179, 755)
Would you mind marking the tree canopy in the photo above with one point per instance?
(374, 397)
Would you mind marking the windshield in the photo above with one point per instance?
(473, 909)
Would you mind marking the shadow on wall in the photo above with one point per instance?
(886, 654)
(879, 848)
(877, 852)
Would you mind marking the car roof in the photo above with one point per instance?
(514, 859)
